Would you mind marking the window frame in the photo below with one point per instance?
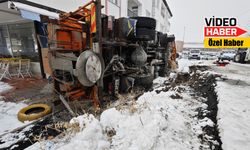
(115, 2)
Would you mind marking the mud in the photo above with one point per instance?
(31, 90)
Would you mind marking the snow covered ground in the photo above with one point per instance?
(4, 87)
(8, 112)
(234, 106)
(154, 121)
(8, 116)
(8, 119)
(184, 64)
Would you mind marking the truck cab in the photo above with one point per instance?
(242, 55)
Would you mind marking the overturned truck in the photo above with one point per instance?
(92, 55)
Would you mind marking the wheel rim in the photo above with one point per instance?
(237, 58)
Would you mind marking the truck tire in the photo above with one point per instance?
(163, 40)
(145, 34)
(144, 80)
(145, 22)
(242, 57)
(237, 58)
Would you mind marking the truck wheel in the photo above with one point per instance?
(145, 34)
(165, 39)
(144, 80)
(242, 57)
(237, 58)
(89, 68)
(145, 22)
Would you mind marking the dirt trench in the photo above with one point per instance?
(204, 86)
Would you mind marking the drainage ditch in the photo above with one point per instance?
(204, 86)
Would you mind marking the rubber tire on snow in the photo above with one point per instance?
(22, 116)
(145, 34)
(145, 22)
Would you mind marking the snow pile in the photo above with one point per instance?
(154, 121)
(233, 108)
(184, 64)
(159, 80)
(158, 122)
(4, 87)
(91, 136)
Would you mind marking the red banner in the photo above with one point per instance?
(223, 31)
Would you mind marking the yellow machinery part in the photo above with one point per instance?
(22, 116)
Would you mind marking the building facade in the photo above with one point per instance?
(157, 9)
(18, 36)
(195, 45)
(179, 46)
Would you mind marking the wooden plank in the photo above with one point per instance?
(46, 65)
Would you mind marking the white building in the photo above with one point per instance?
(196, 45)
(157, 9)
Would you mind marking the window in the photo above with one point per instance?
(133, 12)
(163, 10)
(158, 4)
(5, 50)
(162, 28)
(114, 2)
(148, 13)
(18, 40)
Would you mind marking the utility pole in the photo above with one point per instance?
(98, 37)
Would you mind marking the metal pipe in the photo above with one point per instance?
(99, 41)
(80, 8)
